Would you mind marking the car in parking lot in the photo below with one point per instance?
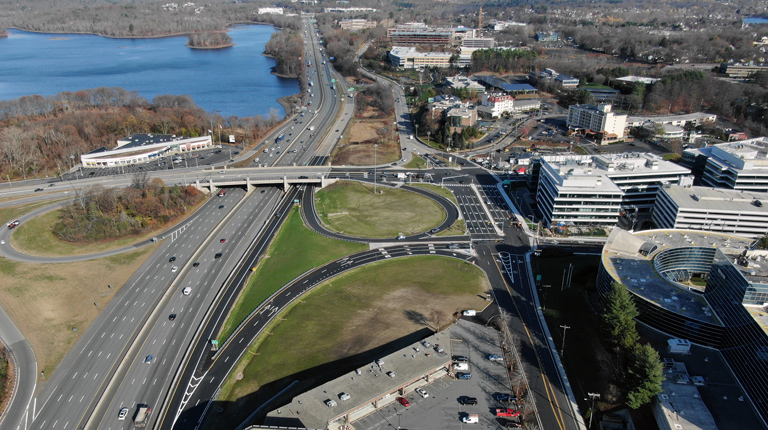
(494, 357)
(504, 412)
(403, 401)
(460, 358)
(466, 400)
(504, 397)
(122, 414)
(463, 375)
(422, 392)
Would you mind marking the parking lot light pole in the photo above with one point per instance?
(565, 328)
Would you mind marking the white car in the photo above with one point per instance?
(422, 392)
(186, 291)
(174, 269)
(122, 414)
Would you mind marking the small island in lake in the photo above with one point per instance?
(210, 40)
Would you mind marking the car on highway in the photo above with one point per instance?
(223, 240)
(463, 375)
(186, 291)
(171, 317)
(422, 392)
(466, 400)
(39, 189)
(403, 401)
(51, 185)
(149, 359)
(13, 224)
(221, 172)
(172, 259)
(122, 414)
(217, 256)
(221, 206)
(174, 269)
(197, 263)
(434, 230)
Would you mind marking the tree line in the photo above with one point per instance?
(502, 60)
(100, 214)
(287, 48)
(636, 367)
(41, 135)
(377, 96)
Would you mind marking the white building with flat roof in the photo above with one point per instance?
(473, 87)
(271, 10)
(597, 119)
(407, 57)
(593, 190)
(695, 119)
(741, 165)
(744, 213)
(143, 148)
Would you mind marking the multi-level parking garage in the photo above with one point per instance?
(709, 288)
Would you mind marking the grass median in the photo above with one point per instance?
(294, 250)
(338, 324)
(351, 208)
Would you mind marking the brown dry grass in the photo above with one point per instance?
(356, 148)
(46, 301)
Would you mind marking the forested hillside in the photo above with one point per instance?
(39, 134)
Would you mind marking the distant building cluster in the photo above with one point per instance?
(565, 81)
(417, 33)
(495, 105)
(741, 165)
(501, 25)
(356, 24)
(548, 36)
(458, 114)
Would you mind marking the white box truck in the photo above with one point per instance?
(470, 419)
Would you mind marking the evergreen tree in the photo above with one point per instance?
(645, 375)
(618, 316)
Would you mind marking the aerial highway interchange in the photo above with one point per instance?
(151, 343)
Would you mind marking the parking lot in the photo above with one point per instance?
(442, 408)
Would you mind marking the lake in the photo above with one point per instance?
(229, 81)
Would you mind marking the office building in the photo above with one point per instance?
(356, 24)
(744, 213)
(737, 70)
(741, 165)
(598, 121)
(463, 82)
(271, 10)
(478, 42)
(406, 57)
(593, 190)
(420, 34)
(693, 119)
(565, 81)
(705, 287)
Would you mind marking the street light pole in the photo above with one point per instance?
(593, 397)
(375, 146)
(564, 327)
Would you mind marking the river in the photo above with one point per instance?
(230, 81)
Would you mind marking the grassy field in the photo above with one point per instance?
(48, 301)
(416, 163)
(339, 321)
(351, 208)
(10, 213)
(34, 237)
(445, 192)
(294, 250)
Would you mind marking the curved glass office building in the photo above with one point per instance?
(705, 287)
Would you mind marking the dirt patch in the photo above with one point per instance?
(53, 304)
(356, 149)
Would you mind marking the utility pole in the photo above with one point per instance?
(565, 328)
(593, 397)
(544, 303)
(375, 146)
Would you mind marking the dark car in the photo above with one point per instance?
(504, 397)
(172, 259)
(221, 206)
(197, 263)
(218, 255)
(172, 317)
(463, 375)
(52, 185)
(464, 400)
(303, 177)
(39, 189)
(277, 214)
(460, 358)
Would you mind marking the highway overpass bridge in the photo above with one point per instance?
(285, 176)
